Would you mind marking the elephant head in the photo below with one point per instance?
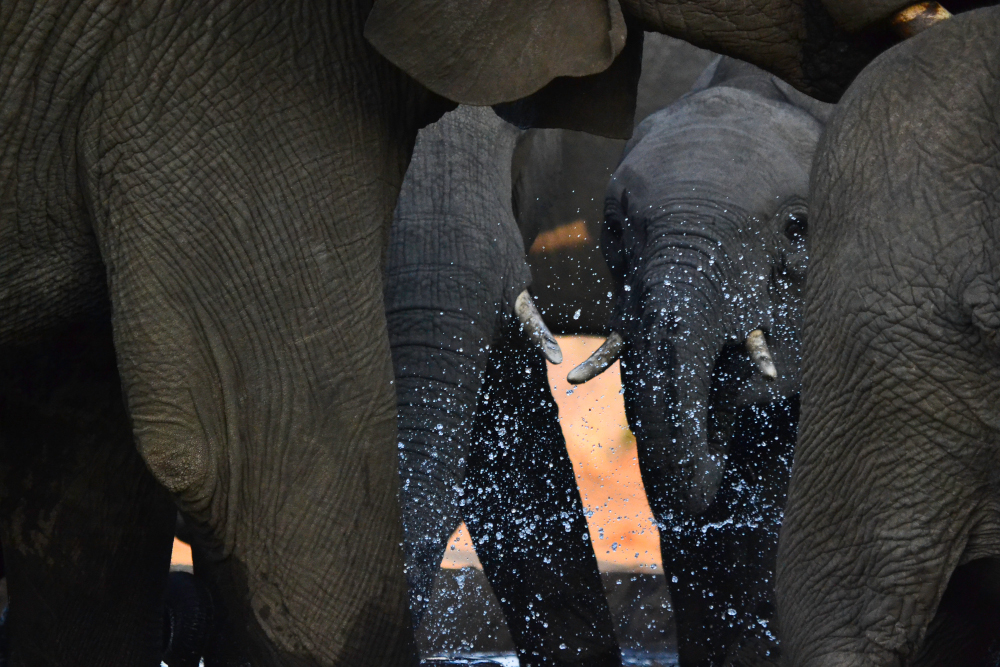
(705, 238)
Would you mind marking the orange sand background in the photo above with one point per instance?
(604, 457)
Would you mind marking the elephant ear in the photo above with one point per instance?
(485, 52)
(602, 103)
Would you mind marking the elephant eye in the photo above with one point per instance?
(796, 223)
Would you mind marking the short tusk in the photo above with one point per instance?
(534, 326)
(917, 18)
(760, 355)
(599, 361)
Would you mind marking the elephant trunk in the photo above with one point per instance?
(437, 382)
(683, 316)
(436, 391)
(454, 270)
(667, 374)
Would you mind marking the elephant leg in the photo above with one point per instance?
(721, 563)
(86, 530)
(880, 513)
(966, 628)
(690, 563)
(527, 522)
(189, 626)
(251, 337)
(708, 607)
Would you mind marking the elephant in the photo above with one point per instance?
(889, 552)
(195, 201)
(559, 178)
(704, 234)
(479, 437)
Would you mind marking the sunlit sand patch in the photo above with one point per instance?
(181, 554)
(460, 552)
(570, 235)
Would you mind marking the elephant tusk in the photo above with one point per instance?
(760, 355)
(917, 18)
(599, 361)
(534, 326)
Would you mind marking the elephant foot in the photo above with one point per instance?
(188, 621)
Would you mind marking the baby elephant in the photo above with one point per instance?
(704, 233)
(479, 437)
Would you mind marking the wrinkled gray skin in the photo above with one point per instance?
(479, 437)
(559, 177)
(818, 45)
(195, 201)
(890, 548)
(705, 237)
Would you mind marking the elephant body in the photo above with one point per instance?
(479, 438)
(194, 200)
(890, 550)
(704, 236)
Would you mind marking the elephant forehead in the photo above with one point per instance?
(725, 145)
